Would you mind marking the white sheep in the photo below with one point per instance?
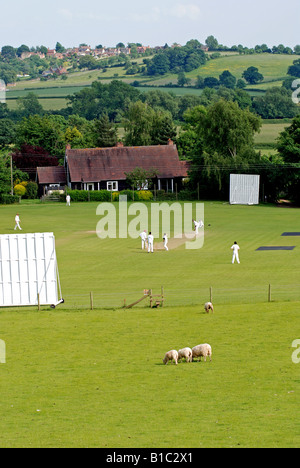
(185, 353)
(171, 356)
(202, 350)
(208, 306)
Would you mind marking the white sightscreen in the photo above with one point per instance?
(244, 189)
(28, 267)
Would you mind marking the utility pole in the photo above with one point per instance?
(11, 175)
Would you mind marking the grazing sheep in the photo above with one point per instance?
(185, 353)
(202, 350)
(171, 356)
(208, 306)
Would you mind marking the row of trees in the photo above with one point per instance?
(217, 132)
(213, 45)
(174, 60)
(148, 118)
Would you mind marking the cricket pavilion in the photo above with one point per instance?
(106, 168)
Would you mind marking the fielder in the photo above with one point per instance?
(143, 236)
(235, 249)
(68, 200)
(198, 225)
(165, 239)
(150, 243)
(17, 222)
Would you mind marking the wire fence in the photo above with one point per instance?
(183, 297)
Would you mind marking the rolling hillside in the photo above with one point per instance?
(53, 94)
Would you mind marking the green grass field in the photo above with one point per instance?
(76, 377)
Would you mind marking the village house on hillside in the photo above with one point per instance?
(106, 168)
(55, 70)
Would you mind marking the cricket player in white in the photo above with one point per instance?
(198, 225)
(235, 249)
(150, 243)
(68, 200)
(143, 236)
(17, 221)
(165, 239)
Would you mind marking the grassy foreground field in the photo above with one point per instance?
(80, 378)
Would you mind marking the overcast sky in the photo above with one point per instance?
(155, 22)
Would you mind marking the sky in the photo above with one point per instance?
(154, 22)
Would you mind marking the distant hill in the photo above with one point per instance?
(53, 93)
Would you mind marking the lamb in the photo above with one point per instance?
(202, 350)
(185, 353)
(171, 356)
(208, 306)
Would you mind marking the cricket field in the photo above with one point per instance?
(82, 376)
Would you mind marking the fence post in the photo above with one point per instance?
(269, 294)
(92, 300)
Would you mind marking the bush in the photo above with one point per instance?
(6, 199)
(85, 195)
(144, 195)
(187, 195)
(20, 190)
(31, 190)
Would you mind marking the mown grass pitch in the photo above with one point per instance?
(80, 378)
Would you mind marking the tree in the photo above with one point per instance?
(294, 70)
(7, 73)
(7, 132)
(23, 48)
(229, 130)
(106, 132)
(163, 128)
(211, 82)
(159, 65)
(224, 142)
(112, 98)
(137, 124)
(182, 79)
(227, 79)
(29, 105)
(89, 62)
(8, 52)
(59, 48)
(141, 178)
(212, 43)
(4, 174)
(162, 100)
(252, 75)
(43, 131)
(288, 147)
(289, 142)
(74, 137)
(276, 103)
